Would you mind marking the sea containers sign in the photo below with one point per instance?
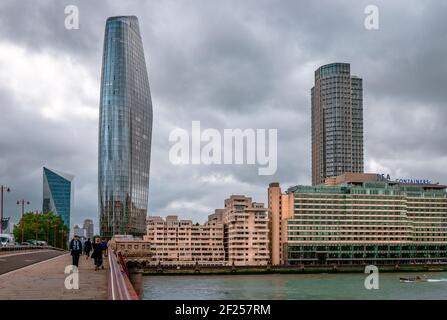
(387, 177)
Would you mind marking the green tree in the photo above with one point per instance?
(50, 228)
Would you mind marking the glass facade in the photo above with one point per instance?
(337, 122)
(57, 193)
(89, 228)
(375, 222)
(125, 130)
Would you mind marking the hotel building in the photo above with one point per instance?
(359, 218)
(181, 241)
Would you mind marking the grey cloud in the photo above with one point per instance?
(236, 64)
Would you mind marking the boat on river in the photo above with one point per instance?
(424, 278)
(414, 279)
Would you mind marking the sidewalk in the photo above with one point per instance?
(46, 280)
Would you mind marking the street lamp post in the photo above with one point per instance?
(54, 238)
(48, 231)
(23, 202)
(37, 225)
(2, 188)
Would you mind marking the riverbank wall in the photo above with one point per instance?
(246, 270)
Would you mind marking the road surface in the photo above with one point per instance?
(17, 260)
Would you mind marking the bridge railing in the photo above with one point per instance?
(120, 287)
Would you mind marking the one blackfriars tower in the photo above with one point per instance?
(125, 130)
(337, 122)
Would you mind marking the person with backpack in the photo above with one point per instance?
(87, 247)
(104, 247)
(97, 254)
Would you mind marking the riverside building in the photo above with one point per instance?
(182, 242)
(130, 247)
(357, 219)
(236, 235)
(246, 231)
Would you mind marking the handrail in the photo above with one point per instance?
(122, 263)
(120, 287)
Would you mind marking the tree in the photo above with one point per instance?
(50, 228)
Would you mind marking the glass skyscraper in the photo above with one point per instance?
(89, 228)
(337, 122)
(57, 193)
(125, 130)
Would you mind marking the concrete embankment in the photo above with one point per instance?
(285, 270)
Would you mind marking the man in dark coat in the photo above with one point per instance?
(76, 249)
(87, 247)
(97, 254)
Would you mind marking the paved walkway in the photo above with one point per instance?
(46, 280)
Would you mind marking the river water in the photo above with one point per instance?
(299, 286)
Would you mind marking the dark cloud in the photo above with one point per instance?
(229, 64)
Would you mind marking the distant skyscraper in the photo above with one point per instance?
(337, 122)
(88, 227)
(125, 130)
(57, 193)
(78, 231)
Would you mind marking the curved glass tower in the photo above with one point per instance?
(125, 130)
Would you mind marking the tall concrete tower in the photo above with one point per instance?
(337, 122)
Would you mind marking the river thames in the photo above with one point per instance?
(298, 286)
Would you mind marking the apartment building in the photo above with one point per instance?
(246, 235)
(237, 234)
(182, 242)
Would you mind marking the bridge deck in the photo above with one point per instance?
(46, 280)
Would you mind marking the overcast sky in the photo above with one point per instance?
(229, 64)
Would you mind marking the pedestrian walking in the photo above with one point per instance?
(104, 247)
(97, 253)
(87, 247)
(75, 250)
